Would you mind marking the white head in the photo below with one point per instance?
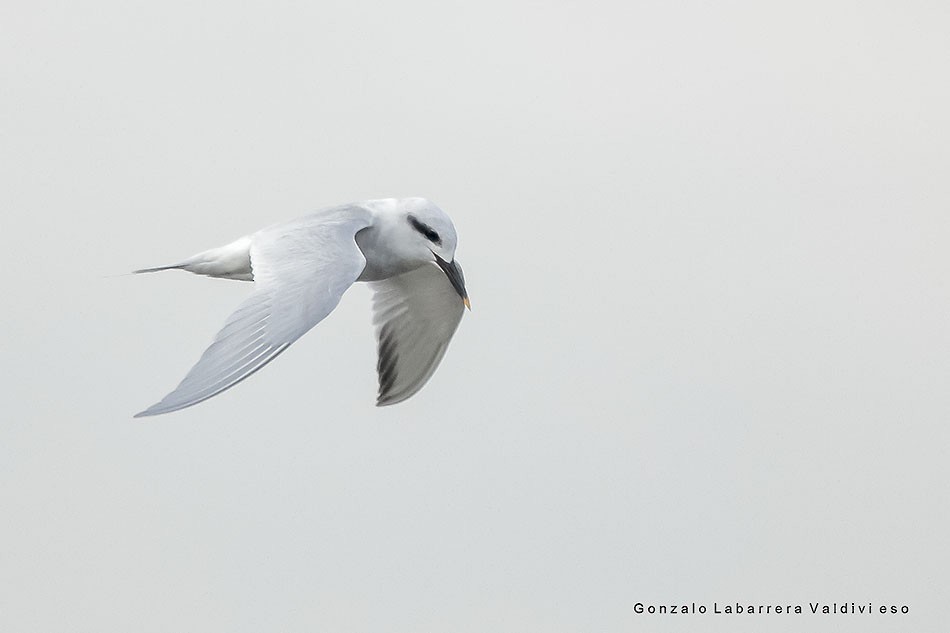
(418, 232)
(425, 228)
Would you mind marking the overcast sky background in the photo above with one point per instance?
(709, 356)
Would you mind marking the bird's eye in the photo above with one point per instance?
(426, 230)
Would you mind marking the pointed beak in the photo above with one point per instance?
(454, 272)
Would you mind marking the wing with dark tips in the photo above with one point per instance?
(415, 314)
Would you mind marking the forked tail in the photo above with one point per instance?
(232, 261)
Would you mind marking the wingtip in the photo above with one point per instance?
(391, 399)
(155, 409)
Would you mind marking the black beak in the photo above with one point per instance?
(454, 272)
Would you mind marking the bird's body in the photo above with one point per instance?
(404, 248)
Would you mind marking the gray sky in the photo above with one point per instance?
(706, 246)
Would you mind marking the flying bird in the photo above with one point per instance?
(404, 248)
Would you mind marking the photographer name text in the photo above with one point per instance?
(744, 608)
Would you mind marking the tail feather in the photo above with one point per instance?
(157, 269)
(232, 261)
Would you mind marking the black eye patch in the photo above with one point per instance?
(426, 230)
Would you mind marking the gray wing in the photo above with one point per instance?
(415, 314)
(301, 270)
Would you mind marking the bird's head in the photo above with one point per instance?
(433, 239)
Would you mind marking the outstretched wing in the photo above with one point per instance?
(301, 269)
(415, 314)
